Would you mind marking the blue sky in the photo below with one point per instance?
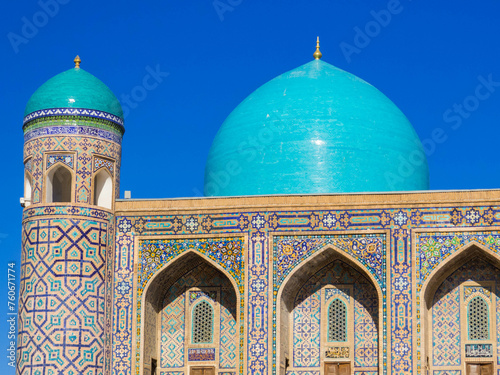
(438, 61)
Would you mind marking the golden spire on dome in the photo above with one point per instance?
(77, 61)
(317, 55)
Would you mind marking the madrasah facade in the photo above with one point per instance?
(319, 251)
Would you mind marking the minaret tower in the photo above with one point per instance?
(73, 128)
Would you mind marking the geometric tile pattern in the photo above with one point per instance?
(103, 163)
(173, 333)
(481, 290)
(173, 316)
(227, 252)
(333, 292)
(435, 247)
(306, 331)
(61, 306)
(446, 372)
(399, 224)
(307, 315)
(59, 158)
(228, 335)
(446, 327)
(84, 148)
(365, 327)
(80, 112)
(368, 249)
(446, 310)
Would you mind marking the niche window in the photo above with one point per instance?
(203, 323)
(59, 185)
(337, 321)
(103, 189)
(478, 320)
(27, 189)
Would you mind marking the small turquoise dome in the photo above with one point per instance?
(315, 130)
(74, 88)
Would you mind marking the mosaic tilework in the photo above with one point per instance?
(483, 291)
(61, 316)
(171, 372)
(333, 292)
(80, 112)
(369, 250)
(365, 327)
(307, 316)
(446, 327)
(373, 248)
(399, 223)
(84, 147)
(201, 354)
(498, 322)
(194, 295)
(123, 304)
(444, 315)
(226, 252)
(74, 210)
(103, 163)
(435, 247)
(60, 158)
(173, 333)
(306, 331)
(446, 372)
(59, 127)
(228, 334)
(365, 372)
(302, 373)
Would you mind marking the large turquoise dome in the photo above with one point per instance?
(74, 88)
(315, 130)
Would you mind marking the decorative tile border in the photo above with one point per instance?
(72, 112)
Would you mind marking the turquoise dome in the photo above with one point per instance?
(74, 88)
(315, 130)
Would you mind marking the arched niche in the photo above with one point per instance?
(327, 275)
(103, 189)
(167, 311)
(28, 188)
(445, 300)
(59, 184)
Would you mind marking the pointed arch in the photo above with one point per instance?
(288, 291)
(451, 264)
(164, 289)
(103, 189)
(28, 188)
(437, 277)
(59, 184)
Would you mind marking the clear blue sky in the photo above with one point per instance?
(428, 57)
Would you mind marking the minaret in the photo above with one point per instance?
(73, 128)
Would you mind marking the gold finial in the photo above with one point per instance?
(317, 55)
(77, 61)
